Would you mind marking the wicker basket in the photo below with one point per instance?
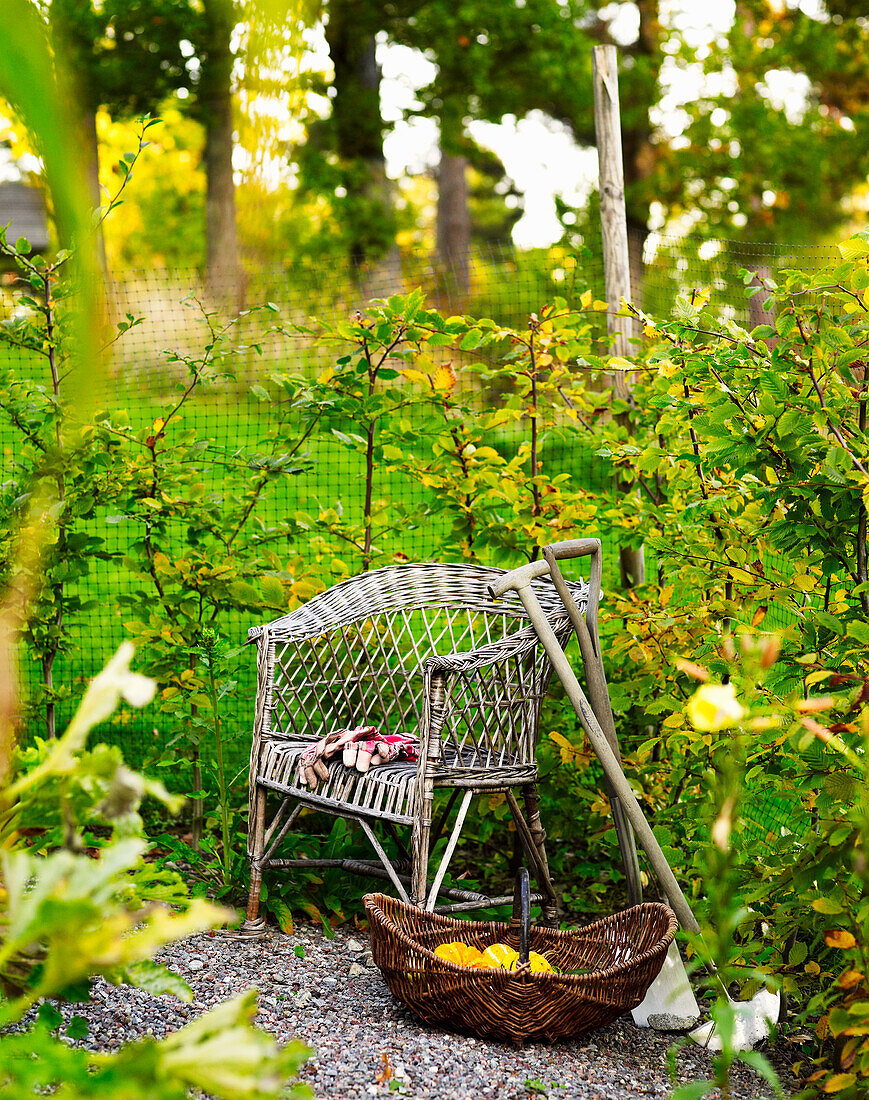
(622, 955)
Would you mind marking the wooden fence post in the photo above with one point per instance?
(616, 261)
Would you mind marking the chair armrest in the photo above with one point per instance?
(485, 703)
(514, 645)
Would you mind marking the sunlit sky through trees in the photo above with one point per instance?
(540, 155)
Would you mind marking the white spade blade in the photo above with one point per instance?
(669, 993)
(753, 1023)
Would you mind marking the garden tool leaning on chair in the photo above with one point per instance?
(670, 993)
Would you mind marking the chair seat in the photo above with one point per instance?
(387, 791)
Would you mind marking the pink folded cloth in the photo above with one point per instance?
(362, 748)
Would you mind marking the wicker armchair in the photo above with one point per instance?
(418, 649)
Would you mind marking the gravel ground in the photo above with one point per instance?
(335, 1000)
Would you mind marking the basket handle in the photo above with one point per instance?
(522, 912)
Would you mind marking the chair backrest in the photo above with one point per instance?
(355, 655)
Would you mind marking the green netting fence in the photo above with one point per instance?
(505, 285)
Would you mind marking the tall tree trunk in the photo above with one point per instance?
(224, 277)
(453, 217)
(358, 128)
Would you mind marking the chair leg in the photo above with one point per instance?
(451, 847)
(420, 845)
(255, 925)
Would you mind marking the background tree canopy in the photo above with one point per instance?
(275, 128)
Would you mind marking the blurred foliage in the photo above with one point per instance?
(76, 904)
(162, 223)
(780, 82)
(785, 88)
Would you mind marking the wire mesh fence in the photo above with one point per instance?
(172, 319)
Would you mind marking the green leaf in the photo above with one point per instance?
(273, 591)
(798, 953)
(859, 630)
(854, 247)
(693, 1091)
(78, 1027)
(245, 593)
(826, 906)
(48, 1015)
(23, 246)
(471, 340)
(153, 978)
(762, 1066)
(829, 621)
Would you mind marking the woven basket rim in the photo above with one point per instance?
(372, 905)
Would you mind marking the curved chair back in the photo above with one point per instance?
(361, 653)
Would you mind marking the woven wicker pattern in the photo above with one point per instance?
(622, 953)
(420, 650)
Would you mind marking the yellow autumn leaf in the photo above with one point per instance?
(600, 305)
(444, 377)
(570, 754)
(849, 979)
(839, 1081)
(585, 299)
(839, 937)
(415, 376)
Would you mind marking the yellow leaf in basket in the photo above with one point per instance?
(459, 953)
(449, 952)
(539, 963)
(499, 955)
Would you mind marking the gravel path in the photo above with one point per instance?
(335, 1000)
